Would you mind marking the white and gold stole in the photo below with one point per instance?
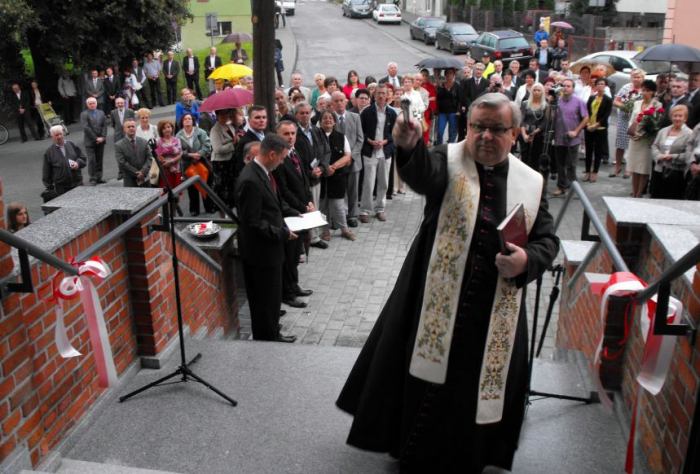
(448, 259)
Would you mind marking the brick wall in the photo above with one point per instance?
(42, 396)
(665, 420)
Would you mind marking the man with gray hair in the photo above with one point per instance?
(349, 124)
(459, 297)
(62, 163)
(94, 124)
(392, 76)
(133, 156)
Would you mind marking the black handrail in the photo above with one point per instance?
(660, 287)
(40, 254)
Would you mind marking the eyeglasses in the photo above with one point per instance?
(496, 130)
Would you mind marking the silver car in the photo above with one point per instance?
(623, 64)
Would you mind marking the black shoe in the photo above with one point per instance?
(301, 292)
(352, 223)
(92, 183)
(290, 339)
(320, 245)
(283, 312)
(101, 181)
(294, 303)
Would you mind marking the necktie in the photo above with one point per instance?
(273, 183)
(295, 159)
(133, 145)
(341, 123)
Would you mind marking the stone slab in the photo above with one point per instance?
(677, 242)
(60, 227)
(653, 211)
(119, 200)
(575, 251)
(223, 239)
(72, 466)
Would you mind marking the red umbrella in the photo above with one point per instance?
(228, 99)
(562, 24)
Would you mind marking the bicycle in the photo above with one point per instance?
(4, 134)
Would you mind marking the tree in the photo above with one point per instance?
(508, 12)
(581, 7)
(15, 17)
(519, 5)
(96, 34)
(532, 5)
(548, 4)
(486, 5)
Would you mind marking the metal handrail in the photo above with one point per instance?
(24, 247)
(660, 287)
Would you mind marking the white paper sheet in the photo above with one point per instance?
(309, 220)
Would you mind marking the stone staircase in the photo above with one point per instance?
(73, 466)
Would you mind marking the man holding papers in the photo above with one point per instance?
(441, 382)
(262, 236)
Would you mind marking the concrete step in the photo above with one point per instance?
(575, 251)
(73, 466)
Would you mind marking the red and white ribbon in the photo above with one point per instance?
(658, 350)
(68, 288)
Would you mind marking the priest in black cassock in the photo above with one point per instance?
(441, 382)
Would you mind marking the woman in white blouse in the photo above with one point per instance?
(145, 129)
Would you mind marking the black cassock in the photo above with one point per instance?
(431, 427)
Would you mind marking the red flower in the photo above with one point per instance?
(639, 118)
(660, 110)
(649, 111)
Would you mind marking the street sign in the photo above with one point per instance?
(212, 22)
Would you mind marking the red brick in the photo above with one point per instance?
(15, 359)
(18, 397)
(7, 447)
(687, 377)
(11, 323)
(6, 386)
(11, 423)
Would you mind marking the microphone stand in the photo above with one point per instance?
(183, 369)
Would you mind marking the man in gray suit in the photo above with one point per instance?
(348, 123)
(94, 125)
(95, 88)
(118, 116)
(62, 163)
(171, 69)
(133, 156)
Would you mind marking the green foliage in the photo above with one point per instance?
(472, 3)
(519, 5)
(94, 32)
(486, 4)
(581, 7)
(548, 4)
(16, 16)
(508, 7)
(532, 4)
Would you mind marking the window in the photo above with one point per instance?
(619, 63)
(490, 42)
(513, 43)
(223, 28)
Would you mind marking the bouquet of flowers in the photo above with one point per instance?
(648, 121)
(628, 101)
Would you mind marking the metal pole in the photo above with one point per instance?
(14, 241)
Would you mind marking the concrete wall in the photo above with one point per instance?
(645, 6)
(681, 22)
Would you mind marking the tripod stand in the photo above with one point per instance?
(593, 397)
(183, 369)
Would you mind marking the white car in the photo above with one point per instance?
(623, 64)
(289, 6)
(387, 13)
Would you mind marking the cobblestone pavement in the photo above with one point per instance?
(352, 280)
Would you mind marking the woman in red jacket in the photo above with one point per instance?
(352, 84)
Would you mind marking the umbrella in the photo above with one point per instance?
(578, 65)
(230, 72)
(439, 63)
(562, 24)
(673, 53)
(237, 38)
(228, 99)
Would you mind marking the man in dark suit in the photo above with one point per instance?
(349, 124)
(392, 76)
(133, 156)
(21, 104)
(257, 124)
(314, 150)
(514, 67)
(293, 178)
(471, 89)
(94, 125)
(190, 64)
(261, 237)
(211, 62)
(694, 100)
(377, 151)
(62, 163)
(679, 96)
(118, 116)
(239, 55)
(540, 75)
(544, 55)
(171, 69)
(94, 87)
(112, 87)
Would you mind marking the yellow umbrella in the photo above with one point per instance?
(230, 72)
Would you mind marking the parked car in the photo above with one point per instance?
(506, 45)
(623, 64)
(387, 13)
(425, 27)
(357, 8)
(455, 37)
(289, 6)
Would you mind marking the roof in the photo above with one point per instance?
(505, 33)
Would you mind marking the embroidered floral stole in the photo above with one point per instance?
(448, 259)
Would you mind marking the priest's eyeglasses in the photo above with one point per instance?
(496, 130)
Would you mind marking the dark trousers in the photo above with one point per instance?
(156, 96)
(290, 270)
(462, 126)
(194, 195)
(69, 109)
(170, 86)
(263, 287)
(95, 153)
(531, 153)
(193, 84)
(39, 122)
(595, 144)
(566, 165)
(26, 119)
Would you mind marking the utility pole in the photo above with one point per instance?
(264, 56)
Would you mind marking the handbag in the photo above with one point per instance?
(154, 173)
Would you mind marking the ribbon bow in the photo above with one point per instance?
(658, 350)
(67, 288)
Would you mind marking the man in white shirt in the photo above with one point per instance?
(349, 124)
(392, 76)
(211, 62)
(69, 95)
(190, 64)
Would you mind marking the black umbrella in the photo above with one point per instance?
(439, 63)
(674, 53)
